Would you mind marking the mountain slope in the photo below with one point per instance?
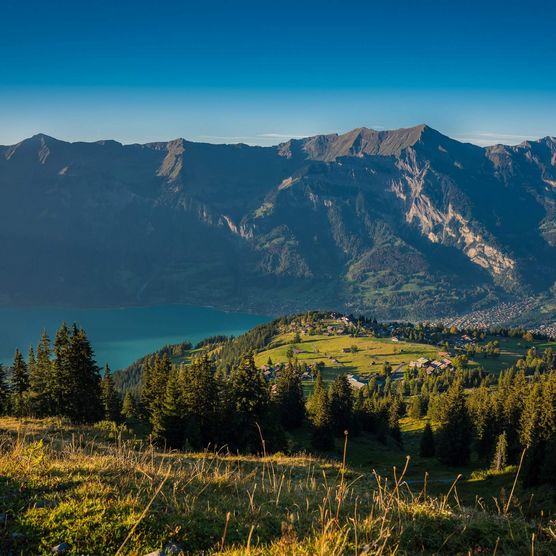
(405, 223)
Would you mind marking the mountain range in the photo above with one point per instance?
(405, 223)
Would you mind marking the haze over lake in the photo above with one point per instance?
(120, 336)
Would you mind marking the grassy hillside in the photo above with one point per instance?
(369, 356)
(106, 492)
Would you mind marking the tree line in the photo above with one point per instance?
(200, 405)
(59, 378)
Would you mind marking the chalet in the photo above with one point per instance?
(395, 339)
(357, 381)
(421, 363)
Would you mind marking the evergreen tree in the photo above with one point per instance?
(341, 404)
(201, 402)
(20, 384)
(40, 379)
(129, 407)
(538, 430)
(485, 423)
(110, 398)
(4, 392)
(155, 378)
(415, 408)
(500, 459)
(250, 401)
(427, 446)
(394, 419)
(318, 408)
(86, 399)
(453, 445)
(167, 420)
(61, 383)
(288, 397)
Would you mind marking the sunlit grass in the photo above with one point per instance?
(103, 493)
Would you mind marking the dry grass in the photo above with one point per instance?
(105, 493)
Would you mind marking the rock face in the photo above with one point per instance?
(403, 223)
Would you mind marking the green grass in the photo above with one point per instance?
(372, 353)
(370, 356)
(511, 349)
(106, 496)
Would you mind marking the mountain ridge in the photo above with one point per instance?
(405, 222)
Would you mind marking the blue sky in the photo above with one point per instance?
(263, 71)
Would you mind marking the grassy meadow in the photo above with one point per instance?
(105, 492)
(369, 357)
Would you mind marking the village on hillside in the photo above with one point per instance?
(365, 349)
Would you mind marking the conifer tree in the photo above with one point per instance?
(427, 447)
(500, 459)
(453, 445)
(485, 423)
(40, 379)
(341, 404)
(86, 399)
(318, 408)
(394, 419)
(20, 384)
(250, 403)
(167, 418)
(415, 408)
(4, 392)
(129, 407)
(154, 387)
(110, 398)
(201, 402)
(61, 383)
(288, 397)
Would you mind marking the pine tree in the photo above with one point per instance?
(201, 401)
(40, 378)
(318, 408)
(155, 378)
(61, 384)
(250, 403)
(4, 392)
(453, 445)
(415, 408)
(341, 404)
(20, 384)
(289, 399)
(485, 423)
(110, 398)
(394, 419)
(427, 446)
(167, 419)
(538, 431)
(500, 459)
(86, 403)
(129, 407)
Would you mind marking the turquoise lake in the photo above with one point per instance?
(120, 336)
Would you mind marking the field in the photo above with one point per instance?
(104, 492)
(511, 349)
(369, 357)
(371, 353)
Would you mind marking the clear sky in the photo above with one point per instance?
(263, 71)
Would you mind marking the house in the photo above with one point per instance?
(395, 339)
(422, 362)
(357, 381)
